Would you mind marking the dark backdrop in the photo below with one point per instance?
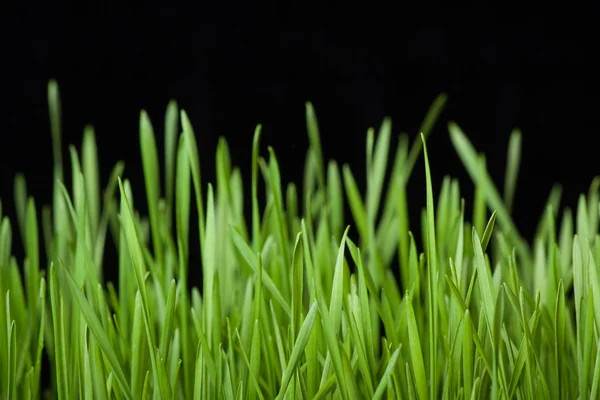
(232, 66)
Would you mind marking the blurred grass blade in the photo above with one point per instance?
(469, 158)
(91, 172)
(432, 116)
(315, 143)
(152, 179)
(512, 168)
(171, 142)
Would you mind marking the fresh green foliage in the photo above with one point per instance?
(296, 302)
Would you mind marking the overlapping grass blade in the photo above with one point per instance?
(386, 375)
(298, 349)
(252, 261)
(99, 334)
(468, 156)
(418, 365)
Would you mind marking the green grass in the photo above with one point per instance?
(300, 301)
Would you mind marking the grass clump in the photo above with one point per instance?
(294, 305)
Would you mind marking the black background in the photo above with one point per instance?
(233, 65)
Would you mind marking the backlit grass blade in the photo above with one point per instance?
(332, 343)
(182, 204)
(5, 242)
(253, 377)
(553, 203)
(298, 349)
(512, 168)
(204, 343)
(297, 285)
(194, 159)
(138, 262)
(54, 107)
(172, 131)
(255, 354)
(594, 202)
(109, 211)
(355, 319)
(59, 338)
(275, 181)
(209, 261)
(579, 278)
(252, 260)
(282, 356)
(152, 180)
(91, 172)
(99, 334)
(460, 248)
(487, 233)
(369, 316)
(595, 287)
(386, 375)
(596, 377)
(403, 232)
(78, 220)
(485, 280)
(11, 347)
(432, 275)
(139, 348)
(37, 367)
(469, 158)
(315, 143)
(418, 366)
(335, 199)
(182, 222)
(88, 387)
(395, 203)
(256, 240)
(32, 270)
(559, 338)
(425, 129)
(479, 206)
(356, 204)
(165, 338)
(467, 352)
(378, 168)
(20, 198)
(335, 306)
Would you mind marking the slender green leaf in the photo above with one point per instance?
(298, 349)
(99, 334)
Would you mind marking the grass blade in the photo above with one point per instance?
(99, 334)
(432, 274)
(298, 349)
(386, 375)
(252, 260)
(512, 168)
(151, 178)
(418, 366)
(171, 149)
(469, 158)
